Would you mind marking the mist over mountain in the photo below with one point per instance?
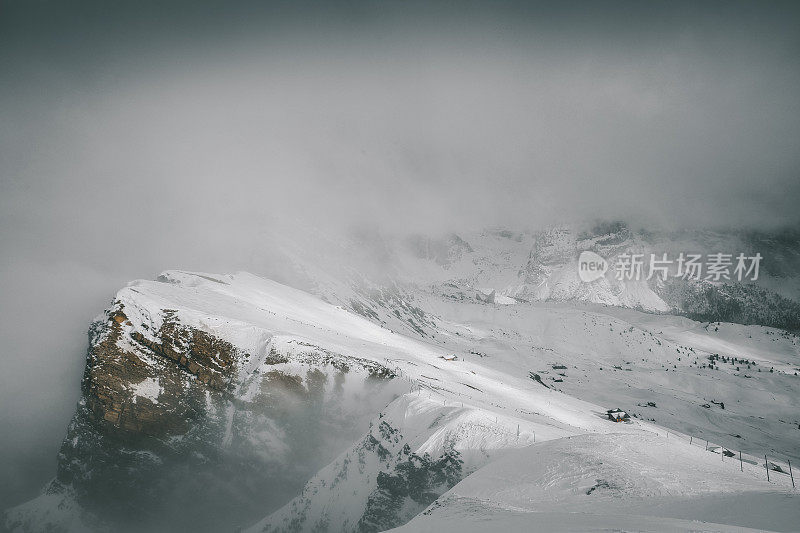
(423, 166)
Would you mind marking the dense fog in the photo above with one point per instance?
(136, 137)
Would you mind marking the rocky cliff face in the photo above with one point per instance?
(178, 427)
(414, 451)
(153, 387)
(149, 409)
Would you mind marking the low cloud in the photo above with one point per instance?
(141, 138)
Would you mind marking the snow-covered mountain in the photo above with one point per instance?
(543, 266)
(387, 277)
(451, 383)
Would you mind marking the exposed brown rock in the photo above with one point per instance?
(113, 371)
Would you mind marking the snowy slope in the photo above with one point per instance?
(615, 358)
(542, 265)
(624, 358)
(390, 421)
(620, 482)
(415, 450)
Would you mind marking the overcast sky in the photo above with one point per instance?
(136, 137)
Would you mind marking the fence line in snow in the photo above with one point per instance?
(770, 466)
(775, 466)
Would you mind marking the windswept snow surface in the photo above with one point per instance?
(421, 423)
(486, 402)
(612, 482)
(250, 311)
(521, 406)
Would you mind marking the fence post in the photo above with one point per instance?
(790, 472)
(706, 444)
(766, 465)
(690, 440)
(741, 468)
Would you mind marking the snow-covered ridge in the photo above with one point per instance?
(391, 421)
(249, 311)
(416, 432)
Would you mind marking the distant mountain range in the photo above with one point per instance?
(542, 266)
